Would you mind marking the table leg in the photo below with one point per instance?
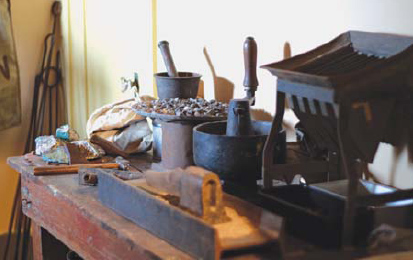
(46, 246)
(37, 241)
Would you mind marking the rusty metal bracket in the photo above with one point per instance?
(87, 176)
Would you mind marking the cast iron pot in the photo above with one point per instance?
(184, 86)
(235, 158)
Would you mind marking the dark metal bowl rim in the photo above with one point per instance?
(197, 130)
(164, 75)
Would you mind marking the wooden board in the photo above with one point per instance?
(250, 226)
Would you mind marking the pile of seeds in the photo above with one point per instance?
(196, 107)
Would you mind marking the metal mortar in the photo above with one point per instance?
(234, 158)
(184, 86)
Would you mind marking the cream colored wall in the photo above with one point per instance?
(106, 41)
(31, 21)
(391, 17)
(220, 27)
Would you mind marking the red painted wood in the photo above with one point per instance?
(37, 241)
(74, 215)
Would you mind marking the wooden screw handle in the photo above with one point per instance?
(250, 63)
(68, 169)
(167, 58)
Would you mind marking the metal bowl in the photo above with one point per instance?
(184, 86)
(235, 158)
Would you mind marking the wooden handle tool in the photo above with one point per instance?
(68, 169)
(167, 58)
(250, 63)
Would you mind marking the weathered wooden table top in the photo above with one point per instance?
(74, 215)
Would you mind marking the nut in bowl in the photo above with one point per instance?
(192, 107)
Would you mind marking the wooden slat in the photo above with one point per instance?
(37, 241)
(306, 90)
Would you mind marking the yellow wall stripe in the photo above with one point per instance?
(85, 56)
(154, 43)
(69, 88)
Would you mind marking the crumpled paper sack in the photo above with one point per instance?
(120, 127)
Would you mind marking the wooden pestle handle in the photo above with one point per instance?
(167, 58)
(250, 63)
(67, 169)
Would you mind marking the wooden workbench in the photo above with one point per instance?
(72, 213)
(66, 215)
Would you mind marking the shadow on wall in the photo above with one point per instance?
(223, 88)
(201, 92)
(261, 115)
(397, 152)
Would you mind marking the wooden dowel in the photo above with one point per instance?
(68, 169)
